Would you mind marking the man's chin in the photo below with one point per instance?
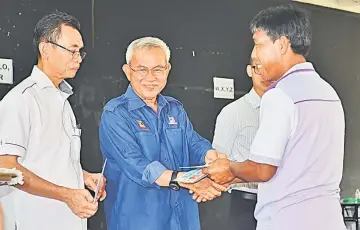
(70, 76)
(148, 96)
(150, 93)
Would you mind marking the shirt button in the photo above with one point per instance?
(176, 203)
(166, 159)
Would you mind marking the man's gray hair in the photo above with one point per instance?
(147, 42)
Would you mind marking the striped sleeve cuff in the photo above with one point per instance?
(264, 159)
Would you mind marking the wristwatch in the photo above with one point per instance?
(174, 185)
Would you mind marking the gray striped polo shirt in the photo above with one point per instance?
(301, 132)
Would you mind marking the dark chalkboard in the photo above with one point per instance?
(208, 38)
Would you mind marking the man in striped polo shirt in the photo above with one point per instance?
(235, 129)
(298, 150)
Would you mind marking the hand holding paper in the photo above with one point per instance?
(96, 182)
(213, 155)
(219, 171)
(80, 202)
(100, 187)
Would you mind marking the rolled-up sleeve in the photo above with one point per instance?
(14, 125)
(277, 121)
(198, 146)
(118, 143)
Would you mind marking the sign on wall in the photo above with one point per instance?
(6, 71)
(224, 88)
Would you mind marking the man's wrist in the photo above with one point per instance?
(63, 194)
(231, 167)
(234, 167)
(184, 185)
(206, 160)
(86, 174)
(173, 184)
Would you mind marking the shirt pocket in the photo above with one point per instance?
(76, 144)
(149, 145)
(175, 136)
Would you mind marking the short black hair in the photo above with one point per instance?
(288, 21)
(49, 27)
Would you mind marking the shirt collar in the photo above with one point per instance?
(253, 98)
(43, 81)
(135, 102)
(305, 65)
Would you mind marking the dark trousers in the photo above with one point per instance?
(228, 212)
(242, 211)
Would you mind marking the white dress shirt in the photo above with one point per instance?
(38, 125)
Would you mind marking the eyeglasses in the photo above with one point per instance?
(75, 54)
(256, 68)
(158, 71)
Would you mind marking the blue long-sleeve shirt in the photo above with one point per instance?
(140, 145)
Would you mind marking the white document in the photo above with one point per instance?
(99, 182)
(224, 88)
(192, 176)
(6, 71)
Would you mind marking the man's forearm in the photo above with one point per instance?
(249, 171)
(35, 185)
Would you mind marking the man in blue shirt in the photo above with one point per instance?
(146, 137)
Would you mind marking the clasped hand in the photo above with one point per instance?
(219, 177)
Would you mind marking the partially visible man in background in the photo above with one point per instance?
(235, 129)
(40, 137)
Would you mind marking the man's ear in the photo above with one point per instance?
(249, 70)
(285, 45)
(127, 70)
(44, 50)
(169, 67)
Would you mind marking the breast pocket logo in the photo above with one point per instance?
(172, 121)
(141, 125)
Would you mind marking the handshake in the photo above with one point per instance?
(218, 179)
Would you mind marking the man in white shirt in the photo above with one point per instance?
(235, 129)
(40, 137)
